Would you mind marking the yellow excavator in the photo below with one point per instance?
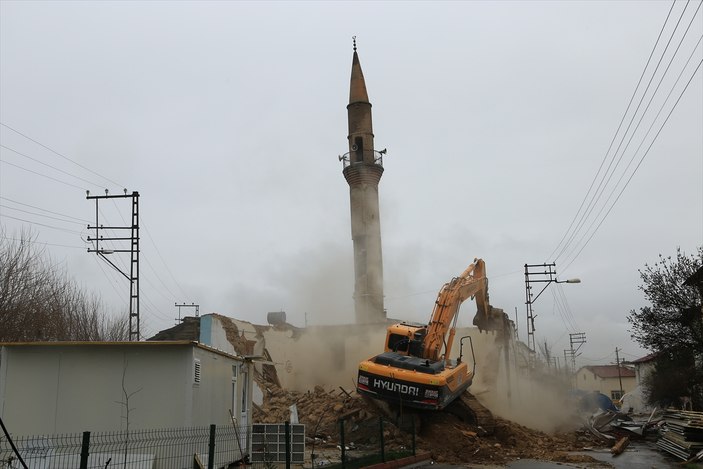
(415, 370)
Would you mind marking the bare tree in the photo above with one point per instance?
(39, 301)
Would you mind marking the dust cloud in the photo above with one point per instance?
(325, 355)
(329, 356)
(536, 399)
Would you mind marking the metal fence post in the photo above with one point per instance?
(383, 443)
(287, 444)
(413, 436)
(341, 443)
(211, 449)
(85, 445)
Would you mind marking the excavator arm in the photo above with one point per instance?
(472, 282)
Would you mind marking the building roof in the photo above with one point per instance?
(187, 329)
(152, 343)
(646, 358)
(610, 371)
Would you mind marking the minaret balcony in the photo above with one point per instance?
(377, 159)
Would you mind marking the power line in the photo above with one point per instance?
(569, 313)
(38, 242)
(608, 173)
(605, 157)
(59, 154)
(630, 354)
(40, 174)
(563, 308)
(173, 296)
(636, 167)
(44, 210)
(50, 166)
(596, 359)
(42, 224)
(111, 281)
(151, 308)
(557, 307)
(124, 267)
(567, 245)
(42, 215)
(149, 305)
(156, 248)
(651, 99)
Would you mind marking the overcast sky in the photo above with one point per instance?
(228, 118)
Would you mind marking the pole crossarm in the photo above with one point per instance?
(183, 305)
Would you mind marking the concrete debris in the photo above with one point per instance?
(321, 411)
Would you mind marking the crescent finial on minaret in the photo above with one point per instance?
(354, 42)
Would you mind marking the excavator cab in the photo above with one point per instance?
(403, 373)
(406, 338)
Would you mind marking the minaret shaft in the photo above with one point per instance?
(363, 172)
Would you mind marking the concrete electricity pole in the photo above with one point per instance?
(617, 362)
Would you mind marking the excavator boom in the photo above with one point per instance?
(470, 283)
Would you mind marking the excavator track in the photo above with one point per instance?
(406, 419)
(466, 407)
(469, 409)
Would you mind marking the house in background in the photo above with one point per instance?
(68, 387)
(634, 401)
(643, 367)
(606, 379)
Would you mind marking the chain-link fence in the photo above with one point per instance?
(350, 444)
(207, 447)
(356, 444)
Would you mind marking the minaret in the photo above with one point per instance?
(363, 167)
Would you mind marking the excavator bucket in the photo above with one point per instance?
(492, 319)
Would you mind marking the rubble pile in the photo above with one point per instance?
(683, 436)
(443, 435)
(451, 440)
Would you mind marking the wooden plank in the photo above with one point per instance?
(620, 446)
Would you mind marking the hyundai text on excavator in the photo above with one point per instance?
(415, 370)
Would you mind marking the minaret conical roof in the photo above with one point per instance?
(357, 88)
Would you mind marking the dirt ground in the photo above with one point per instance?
(447, 438)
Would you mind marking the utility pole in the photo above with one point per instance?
(547, 275)
(570, 374)
(566, 361)
(617, 361)
(549, 358)
(192, 305)
(100, 249)
(577, 338)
